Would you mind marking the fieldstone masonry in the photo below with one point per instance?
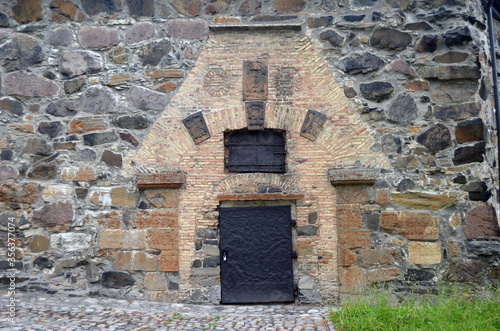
(114, 114)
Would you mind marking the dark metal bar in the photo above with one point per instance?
(495, 75)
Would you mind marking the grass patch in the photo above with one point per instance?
(452, 309)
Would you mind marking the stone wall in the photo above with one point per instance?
(88, 85)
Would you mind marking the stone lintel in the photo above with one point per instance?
(171, 179)
(259, 196)
(255, 27)
(352, 176)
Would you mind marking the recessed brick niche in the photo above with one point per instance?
(294, 93)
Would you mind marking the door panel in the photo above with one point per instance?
(256, 259)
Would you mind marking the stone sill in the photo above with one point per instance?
(259, 196)
(164, 180)
(352, 176)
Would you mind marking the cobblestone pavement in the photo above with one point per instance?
(37, 311)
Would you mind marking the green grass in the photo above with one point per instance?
(450, 310)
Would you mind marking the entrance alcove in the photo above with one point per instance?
(273, 79)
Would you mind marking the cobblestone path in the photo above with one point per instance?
(37, 311)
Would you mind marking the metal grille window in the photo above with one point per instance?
(255, 151)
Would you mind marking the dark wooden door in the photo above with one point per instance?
(256, 254)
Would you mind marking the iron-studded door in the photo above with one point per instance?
(256, 254)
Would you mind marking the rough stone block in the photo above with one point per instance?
(469, 154)
(112, 159)
(347, 258)
(99, 138)
(450, 72)
(78, 174)
(435, 139)
(27, 193)
(418, 200)
(20, 53)
(162, 239)
(169, 261)
(414, 225)
(152, 53)
(453, 93)
(472, 130)
(157, 218)
(451, 57)
(155, 281)
(354, 194)
(87, 124)
(352, 279)
(372, 257)
(427, 43)
(361, 63)
(164, 73)
(122, 239)
(132, 122)
(424, 252)
(12, 106)
(390, 39)
(98, 37)
(71, 241)
(417, 85)
(383, 275)
(135, 260)
(8, 172)
(98, 100)
(143, 98)
(187, 29)
(117, 279)
(29, 85)
(58, 213)
(377, 91)
(482, 221)
(140, 32)
(349, 216)
(401, 67)
(25, 11)
(354, 238)
(187, 7)
(466, 271)
(39, 243)
(457, 36)
(457, 112)
(76, 63)
(403, 109)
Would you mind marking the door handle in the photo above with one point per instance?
(224, 255)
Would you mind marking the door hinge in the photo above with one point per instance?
(295, 287)
(294, 255)
(294, 222)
